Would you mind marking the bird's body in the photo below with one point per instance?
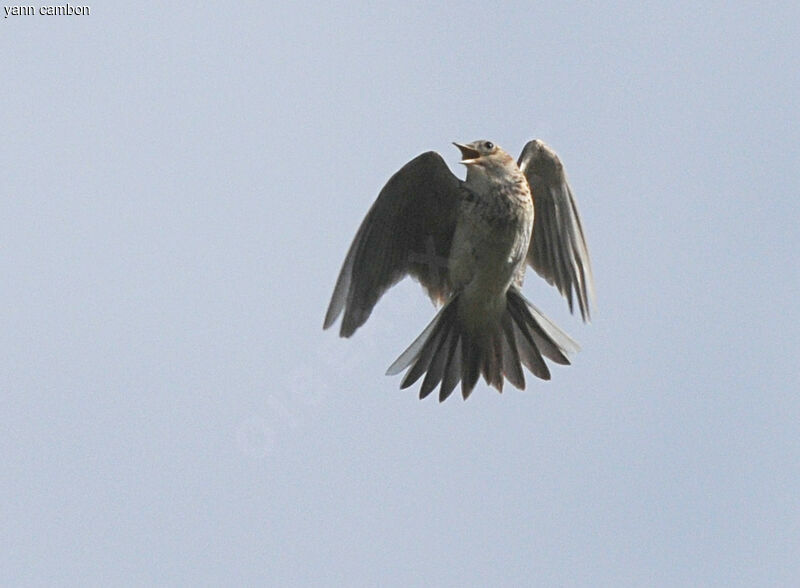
(491, 240)
(468, 243)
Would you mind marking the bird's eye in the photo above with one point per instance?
(488, 145)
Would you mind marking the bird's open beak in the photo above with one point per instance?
(468, 154)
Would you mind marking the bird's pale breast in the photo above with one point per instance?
(489, 245)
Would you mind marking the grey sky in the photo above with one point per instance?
(179, 187)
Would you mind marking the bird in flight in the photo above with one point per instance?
(468, 243)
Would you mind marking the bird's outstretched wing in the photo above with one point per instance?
(408, 231)
(558, 249)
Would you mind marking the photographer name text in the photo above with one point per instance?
(63, 10)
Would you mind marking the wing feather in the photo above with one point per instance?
(558, 250)
(407, 231)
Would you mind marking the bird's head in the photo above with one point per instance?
(486, 159)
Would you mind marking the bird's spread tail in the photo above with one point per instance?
(447, 353)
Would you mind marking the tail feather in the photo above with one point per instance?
(453, 372)
(511, 360)
(470, 365)
(529, 353)
(551, 341)
(413, 351)
(424, 359)
(426, 346)
(493, 362)
(437, 366)
(446, 352)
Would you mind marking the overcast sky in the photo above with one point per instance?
(178, 189)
